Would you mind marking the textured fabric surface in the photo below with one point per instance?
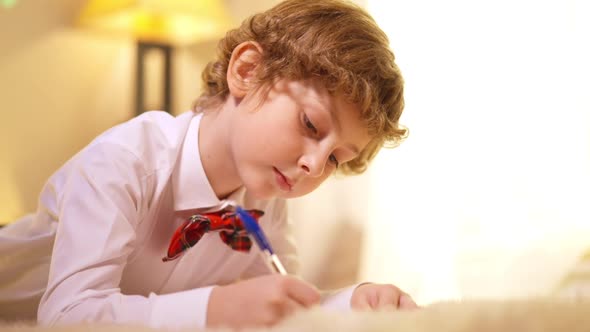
(524, 316)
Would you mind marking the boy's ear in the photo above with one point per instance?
(242, 67)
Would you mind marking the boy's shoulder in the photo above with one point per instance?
(164, 121)
(149, 126)
(153, 133)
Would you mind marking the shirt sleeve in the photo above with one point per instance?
(99, 209)
(338, 300)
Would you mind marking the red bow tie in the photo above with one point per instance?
(229, 224)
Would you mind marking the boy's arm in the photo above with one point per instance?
(98, 212)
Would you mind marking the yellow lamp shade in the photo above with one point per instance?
(163, 21)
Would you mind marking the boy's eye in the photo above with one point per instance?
(333, 160)
(309, 125)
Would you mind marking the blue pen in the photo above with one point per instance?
(254, 229)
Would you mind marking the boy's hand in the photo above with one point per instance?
(380, 296)
(262, 301)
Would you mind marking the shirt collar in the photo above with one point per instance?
(191, 188)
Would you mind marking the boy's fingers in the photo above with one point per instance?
(361, 304)
(388, 300)
(395, 299)
(302, 293)
(406, 302)
(288, 307)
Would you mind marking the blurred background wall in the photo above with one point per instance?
(489, 196)
(61, 85)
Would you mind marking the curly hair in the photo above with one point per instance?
(335, 42)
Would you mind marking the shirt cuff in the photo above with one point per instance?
(180, 310)
(339, 300)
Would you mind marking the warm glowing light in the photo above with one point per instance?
(492, 186)
(11, 206)
(176, 22)
(7, 3)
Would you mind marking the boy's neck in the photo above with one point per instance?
(215, 153)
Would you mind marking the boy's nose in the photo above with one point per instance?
(305, 168)
(313, 164)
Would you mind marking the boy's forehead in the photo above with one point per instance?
(313, 93)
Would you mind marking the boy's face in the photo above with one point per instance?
(289, 142)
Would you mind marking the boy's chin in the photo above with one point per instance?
(266, 193)
(261, 192)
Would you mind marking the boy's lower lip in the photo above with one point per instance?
(282, 180)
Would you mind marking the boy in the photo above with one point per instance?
(297, 93)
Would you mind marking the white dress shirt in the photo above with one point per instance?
(93, 250)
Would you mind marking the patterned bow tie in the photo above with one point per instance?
(229, 224)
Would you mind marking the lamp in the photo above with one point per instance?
(157, 25)
(7, 3)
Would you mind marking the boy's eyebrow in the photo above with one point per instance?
(336, 121)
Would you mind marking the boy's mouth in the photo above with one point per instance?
(283, 181)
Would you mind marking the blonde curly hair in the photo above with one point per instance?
(335, 42)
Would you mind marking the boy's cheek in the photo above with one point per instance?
(308, 185)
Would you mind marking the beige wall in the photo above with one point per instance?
(61, 86)
(58, 89)
(489, 196)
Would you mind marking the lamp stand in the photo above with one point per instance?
(166, 51)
